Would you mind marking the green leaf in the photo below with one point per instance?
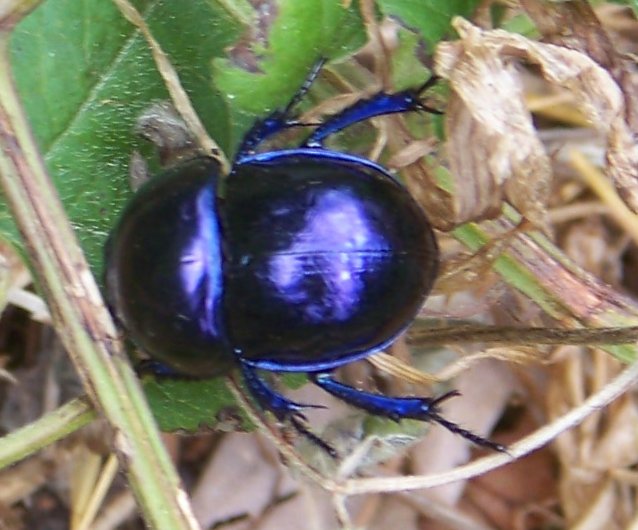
(407, 70)
(193, 406)
(302, 33)
(85, 75)
(430, 18)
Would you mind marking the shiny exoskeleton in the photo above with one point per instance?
(300, 260)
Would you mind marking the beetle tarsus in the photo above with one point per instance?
(305, 86)
(468, 435)
(299, 425)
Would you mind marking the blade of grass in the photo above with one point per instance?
(538, 269)
(49, 428)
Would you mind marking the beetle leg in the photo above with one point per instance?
(379, 104)
(278, 120)
(397, 408)
(269, 399)
(284, 409)
(160, 370)
(305, 86)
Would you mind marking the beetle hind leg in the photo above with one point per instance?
(159, 370)
(284, 409)
(397, 408)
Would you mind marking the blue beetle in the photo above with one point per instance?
(300, 260)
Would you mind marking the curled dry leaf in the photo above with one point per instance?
(616, 448)
(492, 144)
(494, 149)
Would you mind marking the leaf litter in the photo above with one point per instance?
(497, 151)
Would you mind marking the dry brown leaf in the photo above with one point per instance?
(485, 388)
(492, 143)
(599, 510)
(238, 480)
(617, 446)
(517, 492)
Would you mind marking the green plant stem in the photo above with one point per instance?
(79, 315)
(48, 429)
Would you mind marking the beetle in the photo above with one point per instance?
(300, 260)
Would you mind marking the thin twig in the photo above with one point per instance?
(468, 333)
(531, 443)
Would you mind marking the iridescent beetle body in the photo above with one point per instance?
(301, 260)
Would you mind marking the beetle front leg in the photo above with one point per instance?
(278, 120)
(397, 408)
(284, 409)
(380, 104)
